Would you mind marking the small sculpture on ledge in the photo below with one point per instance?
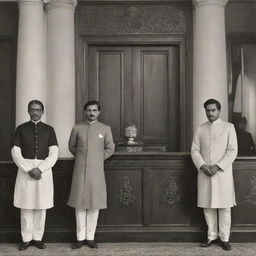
(132, 146)
(130, 133)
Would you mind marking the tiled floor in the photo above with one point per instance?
(132, 249)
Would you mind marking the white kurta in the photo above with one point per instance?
(30, 193)
(215, 144)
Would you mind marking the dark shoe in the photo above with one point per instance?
(91, 243)
(226, 246)
(77, 244)
(39, 244)
(24, 246)
(209, 243)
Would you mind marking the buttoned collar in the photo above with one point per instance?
(215, 122)
(35, 122)
(91, 123)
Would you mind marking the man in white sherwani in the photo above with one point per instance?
(213, 151)
(91, 143)
(34, 151)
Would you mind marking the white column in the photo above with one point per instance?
(60, 69)
(30, 57)
(209, 60)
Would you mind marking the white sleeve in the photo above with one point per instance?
(49, 161)
(196, 150)
(19, 160)
(231, 151)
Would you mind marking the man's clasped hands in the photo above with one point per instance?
(35, 173)
(210, 170)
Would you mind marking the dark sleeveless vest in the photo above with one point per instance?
(34, 139)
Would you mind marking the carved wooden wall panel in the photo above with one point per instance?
(124, 197)
(173, 198)
(132, 19)
(61, 214)
(151, 197)
(8, 213)
(245, 185)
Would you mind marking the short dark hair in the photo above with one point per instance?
(37, 102)
(91, 103)
(243, 120)
(213, 101)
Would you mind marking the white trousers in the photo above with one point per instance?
(211, 217)
(32, 224)
(86, 223)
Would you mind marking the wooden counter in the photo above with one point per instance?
(151, 197)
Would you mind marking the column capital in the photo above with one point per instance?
(66, 4)
(30, 2)
(199, 3)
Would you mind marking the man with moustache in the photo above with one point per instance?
(34, 151)
(213, 151)
(91, 143)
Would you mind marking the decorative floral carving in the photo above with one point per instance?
(251, 197)
(125, 195)
(132, 19)
(170, 193)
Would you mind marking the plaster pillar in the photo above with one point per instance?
(30, 83)
(60, 69)
(209, 57)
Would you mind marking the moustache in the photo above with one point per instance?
(91, 115)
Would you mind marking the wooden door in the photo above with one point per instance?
(7, 95)
(137, 85)
(110, 82)
(155, 95)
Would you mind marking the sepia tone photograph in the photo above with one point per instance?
(128, 127)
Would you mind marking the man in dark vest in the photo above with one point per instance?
(34, 151)
(91, 143)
